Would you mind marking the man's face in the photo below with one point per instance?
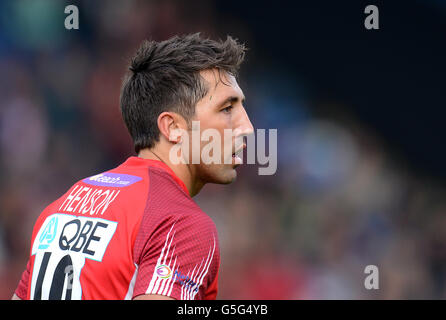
(221, 109)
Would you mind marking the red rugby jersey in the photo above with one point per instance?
(129, 231)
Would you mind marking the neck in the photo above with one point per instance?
(183, 171)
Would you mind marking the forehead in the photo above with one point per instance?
(221, 84)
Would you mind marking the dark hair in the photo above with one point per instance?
(164, 76)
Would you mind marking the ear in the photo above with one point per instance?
(170, 125)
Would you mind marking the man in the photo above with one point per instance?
(134, 232)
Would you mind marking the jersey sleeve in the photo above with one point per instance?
(180, 259)
(22, 289)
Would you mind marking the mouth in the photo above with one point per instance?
(236, 159)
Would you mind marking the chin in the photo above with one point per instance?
(226, 177)
(229, 180)
(222, 175)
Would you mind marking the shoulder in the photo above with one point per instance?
(171, 214)
(165, 194)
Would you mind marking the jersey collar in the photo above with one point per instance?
(137, 161)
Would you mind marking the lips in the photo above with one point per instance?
(237, 153)
(239, 150)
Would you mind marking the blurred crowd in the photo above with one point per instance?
(339, 201)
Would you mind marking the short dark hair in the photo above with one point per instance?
(164, 76)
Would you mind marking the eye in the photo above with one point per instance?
(227, 109)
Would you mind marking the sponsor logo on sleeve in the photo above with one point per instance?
(167, 272)
(163, 271)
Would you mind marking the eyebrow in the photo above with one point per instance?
(231, 99)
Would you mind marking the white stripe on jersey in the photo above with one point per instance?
(129, 294)
(189, 288)
(160, 282)
(151, 288)
(194, 290)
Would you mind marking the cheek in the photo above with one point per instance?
(211, 118)
(213, 125)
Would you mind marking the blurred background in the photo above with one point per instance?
(359, 115)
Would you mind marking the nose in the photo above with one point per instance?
(244, 126)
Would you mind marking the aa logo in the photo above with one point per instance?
(48, 234)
